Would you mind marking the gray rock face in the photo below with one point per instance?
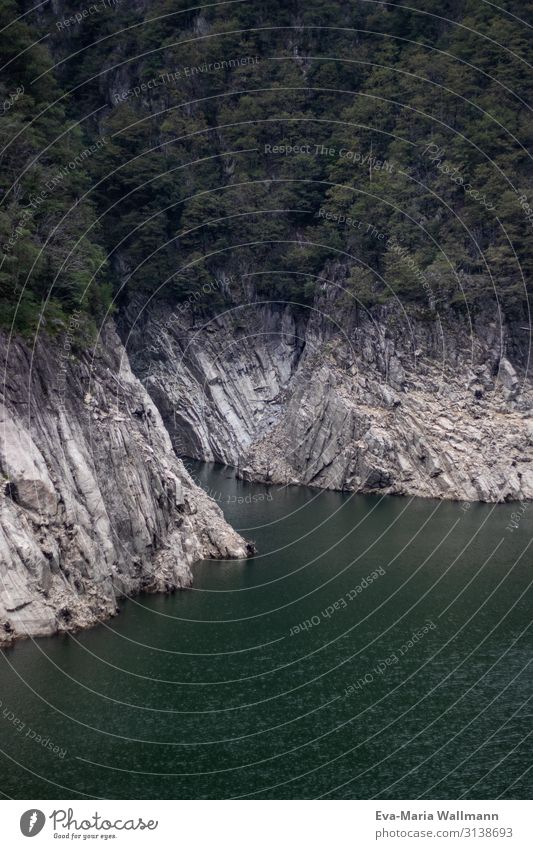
(336, 397)
(94, 503)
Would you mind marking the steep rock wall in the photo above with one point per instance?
(333, 396)
(94, 503)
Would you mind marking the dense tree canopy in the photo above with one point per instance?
(158, 146)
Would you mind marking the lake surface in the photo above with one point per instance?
(375, 647)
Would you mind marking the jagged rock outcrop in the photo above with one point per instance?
(94, 503)
(412, 403)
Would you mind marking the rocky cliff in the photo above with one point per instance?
(394, 400)
(94, 503)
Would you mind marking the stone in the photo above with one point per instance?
(284, 407)
(84, 513)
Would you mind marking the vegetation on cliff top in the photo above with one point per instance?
(160, 147)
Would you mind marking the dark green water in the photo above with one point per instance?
(207, 694)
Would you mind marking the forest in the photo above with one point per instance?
(158, 147)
